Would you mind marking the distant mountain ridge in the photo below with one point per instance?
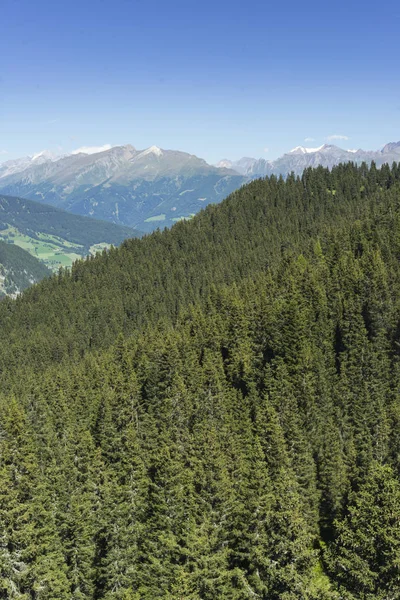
(300, 158)
(143, 188)
(155, 187)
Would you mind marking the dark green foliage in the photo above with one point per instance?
(242, 441)
(18, 269)
(366, 557)
(154, 278)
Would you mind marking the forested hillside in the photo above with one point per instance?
(213, 411)
(53, 236)
(18, 270)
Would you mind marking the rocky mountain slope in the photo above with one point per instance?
(143, 189)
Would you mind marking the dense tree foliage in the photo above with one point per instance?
(213, 411)
(18, 269)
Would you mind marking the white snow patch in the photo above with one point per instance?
(92, 149)
(44, 154)
(304, 150)
(224, 164)
(152, 150)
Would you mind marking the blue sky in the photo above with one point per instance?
(217, 79)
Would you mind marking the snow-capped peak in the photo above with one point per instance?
(224, 164)
(92, 149)
(303, 150)
(152, 150)
(43, 155)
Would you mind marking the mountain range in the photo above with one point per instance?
(143, 189)
(151, 188)
(301, 158)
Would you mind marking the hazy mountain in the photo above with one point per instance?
(10, 167)
(143, 188)
(392, 148)
(327, 155)
(242, 166)
(18, 270)
(154, 188)
(55, 236)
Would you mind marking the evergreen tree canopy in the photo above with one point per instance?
(213, 411)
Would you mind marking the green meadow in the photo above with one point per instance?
(53, 251)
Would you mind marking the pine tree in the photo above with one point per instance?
(365, 558)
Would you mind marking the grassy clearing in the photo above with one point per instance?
(58, 241)
(53, 251)
(155, 218)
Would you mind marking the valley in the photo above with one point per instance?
(52, 251)
(54, 237)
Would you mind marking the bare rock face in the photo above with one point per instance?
(391, 148)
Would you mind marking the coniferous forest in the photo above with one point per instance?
(213, 411)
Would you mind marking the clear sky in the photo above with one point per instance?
(219, 79)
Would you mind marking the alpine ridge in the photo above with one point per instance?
(136, 188)
(155, 188)
(300, 158)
